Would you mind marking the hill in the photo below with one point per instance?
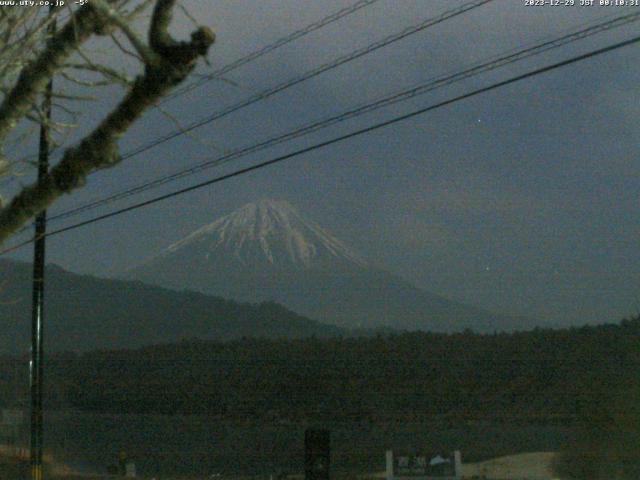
(87, 313)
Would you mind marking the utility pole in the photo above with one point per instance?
(37, 315)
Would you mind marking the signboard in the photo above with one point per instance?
(317, 454)
(410, 466)
(423, 466)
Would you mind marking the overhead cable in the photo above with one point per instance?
(335, 140)
(425, 87)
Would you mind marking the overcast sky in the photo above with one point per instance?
(522, 200)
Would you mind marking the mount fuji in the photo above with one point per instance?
(268, 251)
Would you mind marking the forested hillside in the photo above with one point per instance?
(537, 376)
(584, 380)
(89, 313)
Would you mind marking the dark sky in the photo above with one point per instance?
(522, 200)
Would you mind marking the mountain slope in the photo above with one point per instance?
(268, 235)
(84, 313)
(269, 251)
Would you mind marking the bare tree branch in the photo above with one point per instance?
(108, 12)
(170, 64)
(108, 73)
(35, 76)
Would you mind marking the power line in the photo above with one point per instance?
(308, 75)
(432, 84)
(335, 140)
(273, 46)
(311, 74)
(334, 17)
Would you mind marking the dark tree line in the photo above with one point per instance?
(537, 376)
(587, 378)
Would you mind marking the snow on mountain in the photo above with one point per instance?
(268, 251)
(268, 232)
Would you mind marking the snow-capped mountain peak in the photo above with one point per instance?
(268, 251)
(268, 232)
